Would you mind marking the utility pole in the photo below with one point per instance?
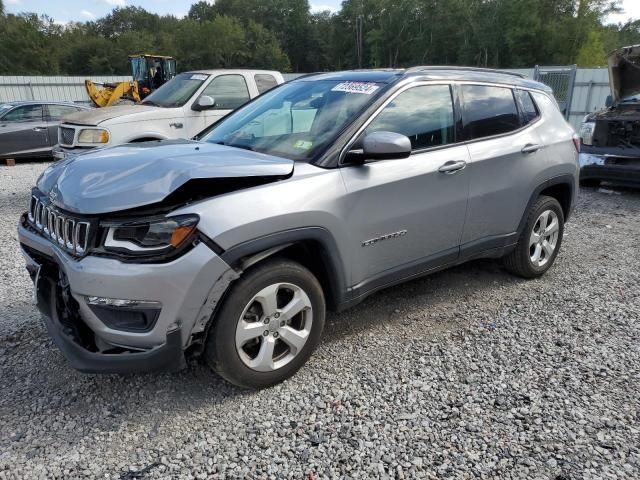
(359, 28)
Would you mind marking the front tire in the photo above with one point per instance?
(540, 240)
(268, 326)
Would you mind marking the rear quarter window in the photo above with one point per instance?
(528, 110)
(488, 111)
(265, 82)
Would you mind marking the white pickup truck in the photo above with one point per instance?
(181, 108)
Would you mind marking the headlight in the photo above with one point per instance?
(586, 132)
(151, 237)
(93, 136)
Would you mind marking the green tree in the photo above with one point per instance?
(591, 53)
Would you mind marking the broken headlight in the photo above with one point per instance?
(151, 237)
(586, 132)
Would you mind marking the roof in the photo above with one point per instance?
(232, 70)
(446, 73)
(138, 55)
(16, 103)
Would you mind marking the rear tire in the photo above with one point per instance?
(540, 240)
(268, 326)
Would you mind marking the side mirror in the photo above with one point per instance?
(385, 146)
(205, 102)
(609, 101)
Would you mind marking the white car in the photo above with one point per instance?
(181, 108)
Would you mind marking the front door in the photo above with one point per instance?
(23, 130)
(229, 92)
(406, 216)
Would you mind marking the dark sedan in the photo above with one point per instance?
(30, 129)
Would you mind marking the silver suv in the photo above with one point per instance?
(313, 196)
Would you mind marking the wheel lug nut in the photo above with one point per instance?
(276, 334)
(265, 333)
(267, 320)
(277, 315)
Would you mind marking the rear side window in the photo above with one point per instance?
(56, 112)
(424, 114)
(228, 91)
(488, 111)
(529, 111)
(265, 82)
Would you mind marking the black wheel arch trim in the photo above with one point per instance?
(568, 180)
(330, 257)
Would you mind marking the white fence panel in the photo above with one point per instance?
(61, 89)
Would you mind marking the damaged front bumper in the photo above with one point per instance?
(112, 317)
(610, 167)
(61, 153)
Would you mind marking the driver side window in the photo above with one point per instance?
(228, 91)
(424, 114)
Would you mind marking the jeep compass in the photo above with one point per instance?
(311, 197)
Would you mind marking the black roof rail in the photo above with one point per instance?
(424, 68)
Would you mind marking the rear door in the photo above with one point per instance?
(507, 161)
(23, 130)
(407, 215)
(54, 114)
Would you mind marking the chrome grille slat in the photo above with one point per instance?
(68, 232)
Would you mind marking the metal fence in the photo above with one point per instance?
(590, 89)
(61, 89)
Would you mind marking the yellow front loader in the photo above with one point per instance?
(149, 72)
(106, 94)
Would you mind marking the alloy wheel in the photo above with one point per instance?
(274, 327)
(544, 238)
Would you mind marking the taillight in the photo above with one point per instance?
(576, 142)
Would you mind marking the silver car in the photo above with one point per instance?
(313, 196)
(30, 129)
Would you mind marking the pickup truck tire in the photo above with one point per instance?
(540, 240)
(268, 326)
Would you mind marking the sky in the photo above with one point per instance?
(63, 11)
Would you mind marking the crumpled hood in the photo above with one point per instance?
(139, 174)
(95, 116)
(624, 72)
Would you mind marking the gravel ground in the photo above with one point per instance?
(469, 373)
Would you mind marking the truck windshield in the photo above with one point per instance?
(296, 120)
(176, 92)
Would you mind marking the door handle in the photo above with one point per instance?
(530, 148)
(38, 129)
(176, 125)
(452, 166)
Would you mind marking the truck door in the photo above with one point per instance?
(229, 91)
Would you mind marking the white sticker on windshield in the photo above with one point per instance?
(366, 88)
(197, 76)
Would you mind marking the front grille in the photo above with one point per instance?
(66, 136)
(69, 233)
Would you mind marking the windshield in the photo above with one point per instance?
(297, 120)
(176, 92)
